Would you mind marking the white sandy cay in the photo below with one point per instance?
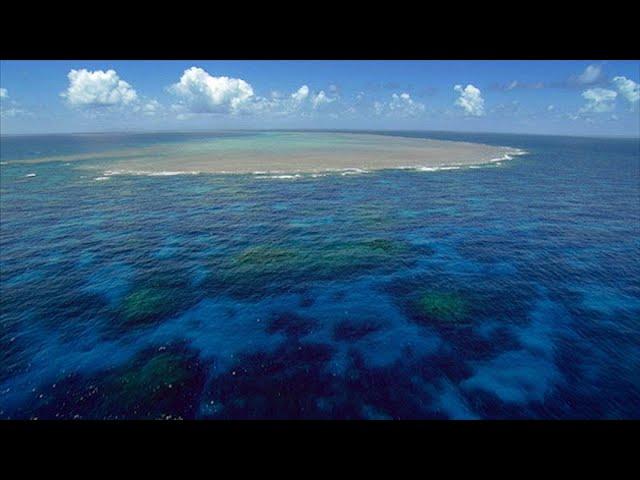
(288, 153)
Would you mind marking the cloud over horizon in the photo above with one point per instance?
(627, 88)
(201, 92)
(470, 100)
(599, 100)
(97, 89)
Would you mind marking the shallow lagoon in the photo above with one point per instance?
(506, 291)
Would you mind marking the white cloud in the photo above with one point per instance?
(404, 105)
(301, 94)
(627, 88)
(591, 74)
(470, 100)
(11, 108)
(321, 99)
(400, 105)
(149, 108)
(97, 89)
(202, 93)
(599, 100)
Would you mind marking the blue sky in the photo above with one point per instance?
(554, 97)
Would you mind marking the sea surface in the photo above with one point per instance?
(500, 291)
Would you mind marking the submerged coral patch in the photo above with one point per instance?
(442, 307)
(158, 383)
(146, 305)
(258, 269)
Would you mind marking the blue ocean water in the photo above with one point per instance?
(506, 291)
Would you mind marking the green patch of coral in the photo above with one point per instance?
(323, 259)
(158, 383)
(442, 307)
(260, 267)
(146, 305)
(149, 381)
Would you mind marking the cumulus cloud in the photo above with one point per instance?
(149, 108)
(599, 100)
(627, 88)
(591, 74)
(405, 105)
(301, 94)
(201, 92)
(10, 108)
(321, 99)
(400, 105)
(98, 89)
(470, 100)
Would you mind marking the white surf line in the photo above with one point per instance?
(147, 173)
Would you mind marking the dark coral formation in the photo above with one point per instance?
(159, 383)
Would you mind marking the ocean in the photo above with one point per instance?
(509, 290)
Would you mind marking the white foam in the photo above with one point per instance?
(109, 173)
(30, 175)
(170, 174)
(509, 156)
(284, 177)
(100, 179)
(347, 171)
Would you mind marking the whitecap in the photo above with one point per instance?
(169, 174)
(30, 175)
(109, 173)
(284, 176)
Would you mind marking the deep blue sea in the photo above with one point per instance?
(506, 291)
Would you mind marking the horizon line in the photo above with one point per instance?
(221, 130)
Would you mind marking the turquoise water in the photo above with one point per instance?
(506, 291)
